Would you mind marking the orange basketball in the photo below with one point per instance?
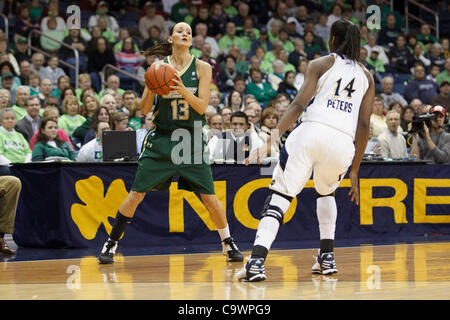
(158, 78)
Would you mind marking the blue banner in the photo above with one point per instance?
(74, 205)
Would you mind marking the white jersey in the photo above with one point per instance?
(340, 91)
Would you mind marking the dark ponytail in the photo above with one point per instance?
(162, 49)
(347, 39)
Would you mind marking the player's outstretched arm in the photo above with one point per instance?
(361, 137)
(315, 70)
(147, 101)
(198, 103)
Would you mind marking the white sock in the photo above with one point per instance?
(326, 214)
(224, 233)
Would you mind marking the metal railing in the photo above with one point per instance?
(421, 6)
(110, 66)
(6, 25)
(75, 51)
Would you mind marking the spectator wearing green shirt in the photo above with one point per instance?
(288, 46)
(375, 62)
(275, 28)
(71, 118)
(247, 33)
(197, 45)
(444, 75)
(14, 147)
(425, 36)
(311, 48)
(230, 39)
(229, 9)
(179, 11)
(48, 44)
(48, 146)
(273, 54)
(22, 94)
(262, 91)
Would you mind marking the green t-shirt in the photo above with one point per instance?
(196, 52)
(13, 146)
(70, 123)
(43, 151)
(226, 42)
(179, 11)
(20, 112)
(377, 64)
(134, 123)
(443, 76)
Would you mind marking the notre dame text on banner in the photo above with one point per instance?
(74, 205)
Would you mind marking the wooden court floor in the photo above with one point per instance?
(393, 272)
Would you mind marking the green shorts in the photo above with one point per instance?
(156, 170)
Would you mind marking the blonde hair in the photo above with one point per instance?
(49, 110)
(84, 76)
(66, 102)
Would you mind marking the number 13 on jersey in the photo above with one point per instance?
(180, 109)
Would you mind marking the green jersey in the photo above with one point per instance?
(171, 111)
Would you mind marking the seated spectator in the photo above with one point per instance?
(376, 64)
(8, 72)
(110, 103)
(62, 83)
(299, 52)
(443, 98)
(30, 123)
(434, 72)
(335, 15)
(152, 18)
(287, 85)
(230, 39)
(235, 101)
(227, 75)
(52, 12)
(388, 95)
(226, 113)
(8, 56)
(300, 76)
(127, 57)
(235, 145)
(52, 71)
(102, 12)
(258, 111)
(90, 106)
(202, 30)
(135, 115)
(389, 33)
(71, 118)
(179, 11)
(37, 62)
(24, 23)
(100, 114)
(277, 75)
(149, 59)
(5, 98)
(101, 56)
(251, 115)
(444, 75)
(120, 121)
(321, 28)
(411, 40)
(397, 106)
(76, 41)
(14, 147)
(51, 31)
(153, 39)
(48, 146)
(284, 58)
(291, 28)
(302, 17)
(416, 104)
(425, 36)
(45, 89)
(269, 121)
(311, 48)
(417, 57)
(433, 143)
(197, 44)
(22, 94)
(142, 132)
(214, 100)
(10, 188)
(92, 151)
(262, 41)
(84, 83)
(25, 70)
(372, 44)
(399, 55)
(436, 55)
(420, 87)
(112, 84)
(393, 144)
(34, 83)
(263, 92)
(215, 126)
(52, 112)
(203, 17)
(378, 119)
(406, 118)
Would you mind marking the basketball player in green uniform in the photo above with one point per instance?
(182, 108)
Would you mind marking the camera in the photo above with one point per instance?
(419, 120)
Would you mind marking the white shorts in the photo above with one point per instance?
(313, 149)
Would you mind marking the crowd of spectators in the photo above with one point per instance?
(258, 50)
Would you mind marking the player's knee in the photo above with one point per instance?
(136, 197)
(276, 206)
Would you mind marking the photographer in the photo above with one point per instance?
(432, 143)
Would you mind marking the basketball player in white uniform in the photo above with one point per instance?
(337, 95)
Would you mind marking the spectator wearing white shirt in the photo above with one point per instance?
(93, 150)
(393, 144)
(102, 10)
(372, 44)
(52, 71)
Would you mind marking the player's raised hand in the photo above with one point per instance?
(354, 190)
(258, 154)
